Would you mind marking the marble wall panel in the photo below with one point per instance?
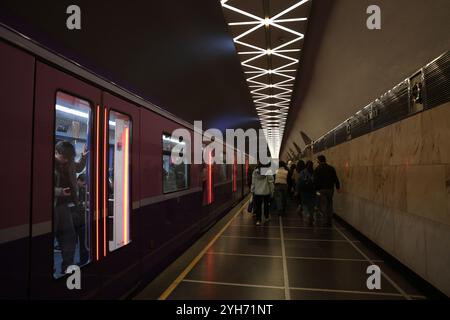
(407, 141)
(383, 227)
(381, 146)
(365, 159)
(437, 237)
(396, 184)
(360, 179)
(394, 190)
(426, 192)
(376, 184)
(436, 136)
(447, 187)
(409, 241)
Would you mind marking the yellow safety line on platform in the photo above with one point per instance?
(185, 272)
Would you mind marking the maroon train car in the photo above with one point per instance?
(131, 210)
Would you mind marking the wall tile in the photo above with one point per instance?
(345, 155)
(376, 184)
(364, 222)
(344, 174)
(394, 190)
(437, 237)
(447, 187)
(365, 159)
(426, 192)
(381, 146)
(409, 241)
(436, 136)
(383, 228)
(360, 177)
(407, 141)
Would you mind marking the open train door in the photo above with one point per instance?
(65, 208)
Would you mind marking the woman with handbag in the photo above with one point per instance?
(262, 190)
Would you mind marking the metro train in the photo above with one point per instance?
(87, 180)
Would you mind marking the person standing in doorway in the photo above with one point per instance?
(66, 199)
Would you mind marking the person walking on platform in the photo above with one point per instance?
(296, 177)
(281, 188)
(290, 179)
(262, 189)
(325, 180)
(308, 194)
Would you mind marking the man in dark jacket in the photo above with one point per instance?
(325, 180)
(66, 199)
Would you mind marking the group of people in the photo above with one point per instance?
(313, 189)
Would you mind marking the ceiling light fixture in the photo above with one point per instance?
(269, 86)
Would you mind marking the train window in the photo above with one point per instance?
(119, 195)
(222, 171)
(72, 187)
(175, 176)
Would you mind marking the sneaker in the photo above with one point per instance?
(268, 219)
(258, 223)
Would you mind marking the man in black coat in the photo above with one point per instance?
(325, 180)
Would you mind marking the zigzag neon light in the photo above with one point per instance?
(272, 108)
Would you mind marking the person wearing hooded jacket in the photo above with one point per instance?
(262, 189)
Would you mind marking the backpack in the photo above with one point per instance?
(306, 183)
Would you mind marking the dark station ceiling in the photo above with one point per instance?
(178, 55)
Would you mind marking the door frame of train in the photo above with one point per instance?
(124, 262)
(50, 81)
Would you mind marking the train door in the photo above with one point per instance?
(120, 197)
(65, 207)
(16, 109)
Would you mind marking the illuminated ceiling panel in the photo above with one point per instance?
(268, 35)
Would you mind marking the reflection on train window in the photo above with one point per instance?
(119, 180)
(222, 173)
(72, 187)
(175, 176)
(235, 175)
(208, 177)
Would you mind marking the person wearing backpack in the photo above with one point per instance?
(308, 194)
(262, 190)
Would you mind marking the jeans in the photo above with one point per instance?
(79, 221)
(326, 204)
(65, 234)
(309, 201)
(258, 202)
(281, 193)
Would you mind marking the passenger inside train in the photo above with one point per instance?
(71, 177)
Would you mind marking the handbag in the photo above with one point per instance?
(250, 206)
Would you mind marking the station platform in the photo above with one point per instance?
(284, 259)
